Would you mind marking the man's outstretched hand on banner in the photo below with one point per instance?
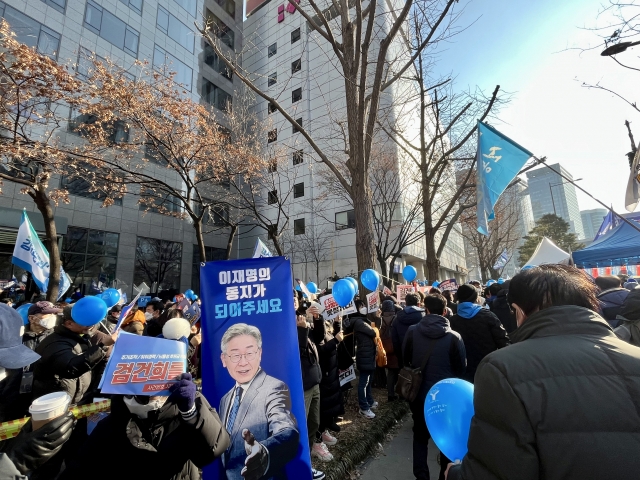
(255, 466)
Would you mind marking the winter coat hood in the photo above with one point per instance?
(468, 309)
(611, 302)
(410, 314)
(433, 326)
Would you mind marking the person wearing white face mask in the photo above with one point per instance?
(43, 316)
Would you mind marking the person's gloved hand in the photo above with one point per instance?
(255, 465)
(183, 393)
(31, 449)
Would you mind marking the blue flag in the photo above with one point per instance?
(502, 260)
(499, 161)
(610, 222)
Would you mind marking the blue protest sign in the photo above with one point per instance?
(143, 365)
(143, 300)
(250, 338)
(499, 160)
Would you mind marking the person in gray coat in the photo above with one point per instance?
(562, 402)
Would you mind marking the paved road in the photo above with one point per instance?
(396, 462)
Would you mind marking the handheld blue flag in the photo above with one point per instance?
(502, 260)
(499, 161)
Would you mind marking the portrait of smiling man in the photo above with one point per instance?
(256, 411)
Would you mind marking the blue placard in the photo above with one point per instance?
(143, 300)
(143, 365)
(257, 292)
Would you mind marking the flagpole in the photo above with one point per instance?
(542, 162)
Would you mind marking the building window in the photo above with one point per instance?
(30, 32)
(159, 203)
(80, 124)
(297, 126)
(273, 166)
(272, 197)
(296, 95)
(346, 220)
(273, 79)
(214, 95)
(273, 49)
(189, 5)
(168, 64)
(90, 258)
(228, 6)
(211, 253)
(296, 66)
(295, 35)
(57, 4)
(298, 157)
(111, 28)
(298, 190)
(86, 64)
(80, 187)
(272, 136)
(175, 29)
(157, 264)
(271, 108)
(298, 226)
(220, 29)
(135, 5)
(212, 59)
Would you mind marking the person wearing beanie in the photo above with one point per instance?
(611, 297)
(480, 329)
(388, 315)
(629, 318)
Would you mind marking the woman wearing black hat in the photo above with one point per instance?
(480, 329)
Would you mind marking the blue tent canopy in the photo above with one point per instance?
(620, 246)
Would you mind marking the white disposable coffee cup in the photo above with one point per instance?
(46, 408)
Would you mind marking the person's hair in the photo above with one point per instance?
(495, 288)
(607, 282)
(435, 290)
(552, 285)
(238, 330)
(157, 306)
(435, 303)
(448, 295)
(359, 304)
(6, 300)
(486, 292)
(420, 295)
(467, 293)
(115, 308)
(411, 299)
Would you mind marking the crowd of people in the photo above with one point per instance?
(552, 354)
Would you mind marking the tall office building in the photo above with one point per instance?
(550, 193)
(591, 221)
(297, 66)
(121, 245)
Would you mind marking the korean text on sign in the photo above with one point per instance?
(246, 293)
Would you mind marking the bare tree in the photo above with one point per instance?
(358, 36)
(314, 246)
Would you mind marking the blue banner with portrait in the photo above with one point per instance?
(251, 368)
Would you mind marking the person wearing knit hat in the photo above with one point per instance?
(629, 316)
(480, 329)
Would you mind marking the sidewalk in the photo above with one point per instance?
(396, 462)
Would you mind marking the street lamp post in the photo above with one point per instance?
(551, 192)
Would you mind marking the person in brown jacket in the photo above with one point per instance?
(393, 366)
(134, 322)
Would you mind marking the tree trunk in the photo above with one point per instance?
(197, 225)
(43, 204)
(365, 233)
(433, 262)
(276, 244)
(232, 234)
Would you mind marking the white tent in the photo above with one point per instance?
(548, 252)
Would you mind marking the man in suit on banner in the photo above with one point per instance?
(256, 411)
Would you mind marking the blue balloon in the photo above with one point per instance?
(370, 279)
(435, 284)
(448, 409)
(111, 297)
(343, 292)
(22, 310)
(409, 273)
(312, 287)
(500, 281)
(68, 300)
(189, 294)
(88, 311)
(353, 282)
(195, 297)
(298, 288)
(490, 282)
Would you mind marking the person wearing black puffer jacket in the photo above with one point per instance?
(409, 316)
(431, 339)
(480, 329)
(500, 308)
(612, 295)
(365, 359)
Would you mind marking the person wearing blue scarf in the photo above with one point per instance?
(480, 329)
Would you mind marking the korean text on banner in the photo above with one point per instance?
(402, 291)
(331, 307)
(450, 284)
(143, 365)
(499, 160)
(249, 303)
(373, 302)
(347, 375)
(387, 291)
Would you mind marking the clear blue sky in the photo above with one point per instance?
(522, 46)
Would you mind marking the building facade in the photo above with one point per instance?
(591, 221)
(550, 193)
(123, 245)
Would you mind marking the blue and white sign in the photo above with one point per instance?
(261, 250)
(243, 301)
(499, 160)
